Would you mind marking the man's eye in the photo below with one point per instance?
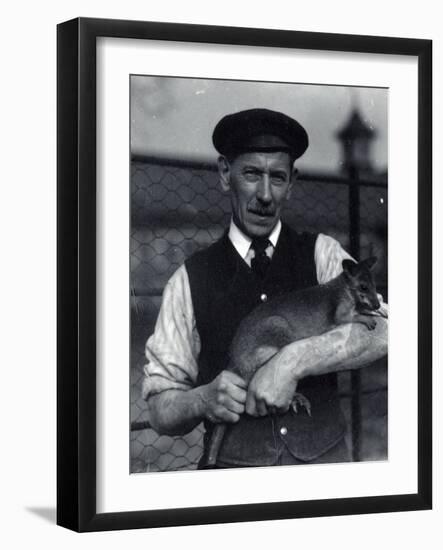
(251, 174)
(279, 179)
(364, 287)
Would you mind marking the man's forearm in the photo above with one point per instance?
(349, 346)
(175, 412)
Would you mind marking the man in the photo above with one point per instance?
(205, 300)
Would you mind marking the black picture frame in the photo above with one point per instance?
(76, 294)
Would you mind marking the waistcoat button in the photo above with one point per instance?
(263, 297)
(284, 430)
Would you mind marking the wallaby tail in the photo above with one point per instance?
(214, 445)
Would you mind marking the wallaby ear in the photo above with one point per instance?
(349, 266)
(370, 262)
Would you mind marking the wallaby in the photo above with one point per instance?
(348, 298)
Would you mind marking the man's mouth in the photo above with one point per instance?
(263, 213)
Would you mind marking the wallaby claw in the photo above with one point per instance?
(300, 399)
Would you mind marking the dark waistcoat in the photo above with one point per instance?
(224, 290)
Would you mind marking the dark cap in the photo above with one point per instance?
(259, 130)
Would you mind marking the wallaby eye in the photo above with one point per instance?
(364, 287)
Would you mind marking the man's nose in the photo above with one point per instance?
(264, 190)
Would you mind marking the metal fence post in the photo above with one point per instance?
(355, 138)
(354, 245)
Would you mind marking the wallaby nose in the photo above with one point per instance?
(376, 303)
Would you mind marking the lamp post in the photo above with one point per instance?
(356, 138)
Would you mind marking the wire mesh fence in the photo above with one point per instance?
(177, 208)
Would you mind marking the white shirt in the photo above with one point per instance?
(172, 351)
(242, 243)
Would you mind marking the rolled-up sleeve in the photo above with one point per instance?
(173, 348)
(329, 255)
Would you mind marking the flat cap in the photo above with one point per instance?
(259, 130)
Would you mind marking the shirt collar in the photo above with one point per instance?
(242, 242)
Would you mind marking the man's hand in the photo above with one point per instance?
(224, 398)
(271, 389)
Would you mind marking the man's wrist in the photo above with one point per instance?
(290, 364)
(201, 402)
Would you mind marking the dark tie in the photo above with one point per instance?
(260, 262)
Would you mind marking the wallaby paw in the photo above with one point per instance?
(300, 399)
(371, 323)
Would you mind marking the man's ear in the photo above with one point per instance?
(224, 171)
(294, 176)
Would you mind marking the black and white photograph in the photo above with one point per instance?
(258, 274)
(221, 280)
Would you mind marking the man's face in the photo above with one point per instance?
(259, 184)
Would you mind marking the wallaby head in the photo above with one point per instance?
(361, 283)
